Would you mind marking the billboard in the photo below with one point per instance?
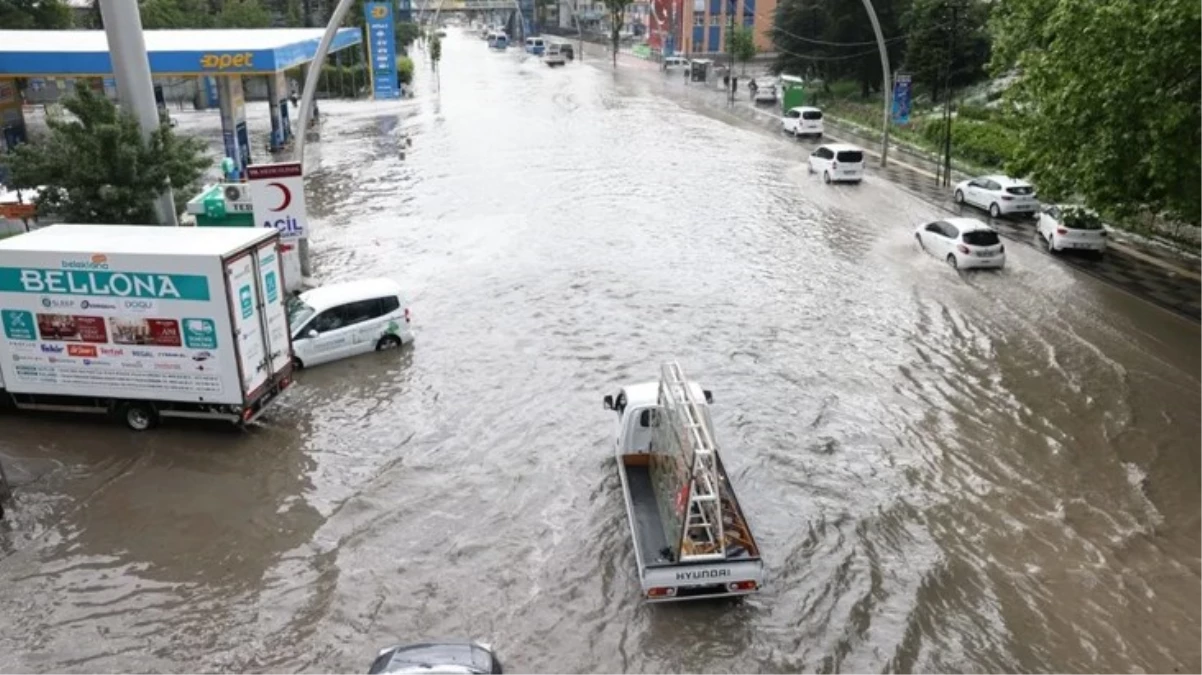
(381, 49)
(901, 99)
(278, 197)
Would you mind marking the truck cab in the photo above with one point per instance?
(691, 538)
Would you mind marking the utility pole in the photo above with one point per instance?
(730, 51)
(886, 80)
(135, 88)
(947, 94)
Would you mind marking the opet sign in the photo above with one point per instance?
(277, 194)
(235, 61)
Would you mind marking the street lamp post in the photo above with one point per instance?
(886, 79)
(135, 87)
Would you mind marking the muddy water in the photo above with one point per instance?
(996, 472)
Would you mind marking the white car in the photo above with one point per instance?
(675, 63)
(553, 56)
(1000, 195)
(838, 162)
(344, 319)
(802, 121)
(1068, 227)
(762, 90)
(965, 243)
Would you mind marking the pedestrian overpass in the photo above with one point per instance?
(517, 15)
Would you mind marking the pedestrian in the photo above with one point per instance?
(734, 84)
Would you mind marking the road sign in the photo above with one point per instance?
(901, 99)
(278, 194)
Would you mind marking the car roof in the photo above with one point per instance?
(967, 224)
(1004, 181)
(331, 295)
(804, 108)
(837, 147)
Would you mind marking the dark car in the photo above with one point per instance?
(437, 657)
(567, 51)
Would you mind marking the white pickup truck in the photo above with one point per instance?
(692, 540)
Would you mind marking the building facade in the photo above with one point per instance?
(699, 26)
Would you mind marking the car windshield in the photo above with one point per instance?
(811, 115)
(981, 238)
(298, 312)
(1022, 190)
(850, 156)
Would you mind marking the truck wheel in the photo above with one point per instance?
(140, 416)
(388, 342)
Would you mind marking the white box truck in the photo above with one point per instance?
(144, 322)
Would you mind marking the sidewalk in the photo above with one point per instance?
(1168, 278)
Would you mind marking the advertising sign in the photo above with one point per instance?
(901, 99)
(381, 48)
(98, 326)
(278, 194)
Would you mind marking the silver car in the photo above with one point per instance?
(471, 658)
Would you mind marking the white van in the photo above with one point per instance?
(344, 319)
(535, 45)
(838, 162)
(803, 121)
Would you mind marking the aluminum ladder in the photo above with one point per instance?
(703, 516)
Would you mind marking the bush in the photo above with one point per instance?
(404, 69)
(985, 143)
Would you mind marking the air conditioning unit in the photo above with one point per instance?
(237, 198)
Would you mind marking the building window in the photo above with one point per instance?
(716, 19)
(749, 21)
(698, 19)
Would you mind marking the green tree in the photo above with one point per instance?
(34, 14)
(1107, 102)
(930, 40)
(833, 39)
(617, 19)
(243, 14)
(742, 45)
(98, 169)
(406, 33)
(435, 50)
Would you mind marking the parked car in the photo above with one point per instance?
(963, 242)
(1000, 195)
(838, 162)
(762, 90)
(675, 63)
(803, 121)
(345, 319)
(437, 657)
(1070, 227)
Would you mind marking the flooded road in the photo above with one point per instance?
(995, 472)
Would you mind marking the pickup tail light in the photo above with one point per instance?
(247, 413)
(661, 592)
(963, 249)
(1061, 231)
(738, 586)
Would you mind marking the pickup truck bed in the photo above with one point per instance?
(648, 528)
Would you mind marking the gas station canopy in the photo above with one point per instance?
(85, 53)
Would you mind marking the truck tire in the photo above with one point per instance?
(139, 416)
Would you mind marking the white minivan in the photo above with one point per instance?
(803, 121)
(838, 162)
(344, 319)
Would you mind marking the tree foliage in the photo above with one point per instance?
(1107, 102)
(617, 19)
(435, 50)
(742, 45)
(34, 14)
(937, 40)
(833, 39)
(98, 169)
(204, 14)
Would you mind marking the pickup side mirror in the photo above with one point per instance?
(709, 395)
(645, 418)
(608, 402)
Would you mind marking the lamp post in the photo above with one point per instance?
(886, 80)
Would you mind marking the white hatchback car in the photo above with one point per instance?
(1068, 227)
(1000, 195)
(344, 319)
(964, 243)
(838, 162)
(802, 121)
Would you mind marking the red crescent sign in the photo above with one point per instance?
(287, 195)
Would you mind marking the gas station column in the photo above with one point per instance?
(234, 134)
(277, 99)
